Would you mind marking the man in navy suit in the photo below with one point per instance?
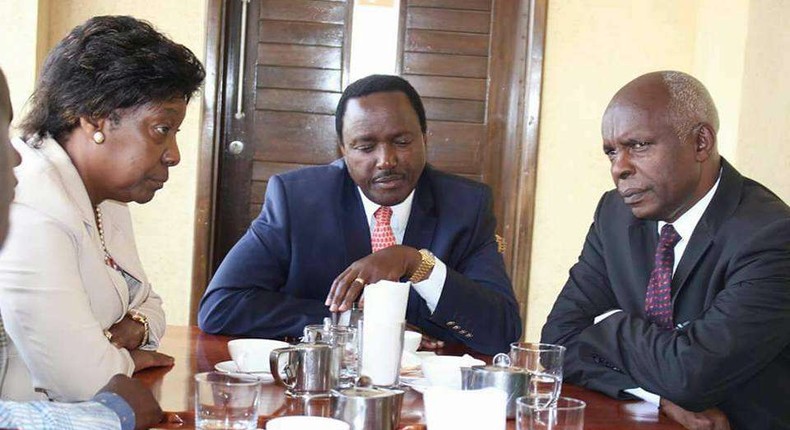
(696, 318)
(309, 252)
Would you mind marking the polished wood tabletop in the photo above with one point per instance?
(195, 352)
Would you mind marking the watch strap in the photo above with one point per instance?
(427, 261)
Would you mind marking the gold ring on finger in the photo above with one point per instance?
(360, 281)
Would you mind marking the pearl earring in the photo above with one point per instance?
(98, 137)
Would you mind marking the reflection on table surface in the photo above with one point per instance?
(196, 352)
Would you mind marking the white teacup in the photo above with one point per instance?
(411, 341)
(299, 422)
(445, 370)
(252, 355)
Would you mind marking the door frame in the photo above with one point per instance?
(523, 75)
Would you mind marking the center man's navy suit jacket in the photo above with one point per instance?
(312, 226)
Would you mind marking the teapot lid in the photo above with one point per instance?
(364, 388)
(500, 363)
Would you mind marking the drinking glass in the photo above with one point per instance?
(346, 338)
(543, 362)
(224, 401)
(564, 414)
(380, 349)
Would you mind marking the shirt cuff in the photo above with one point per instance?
(647, 396)
(431, 289)
(118, 405)
(605, 315)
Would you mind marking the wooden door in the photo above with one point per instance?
(296, 63)
(468, 59)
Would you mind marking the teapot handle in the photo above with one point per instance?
(274, 365)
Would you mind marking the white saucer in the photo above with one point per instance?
(230, 367)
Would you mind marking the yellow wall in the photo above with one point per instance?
(764, 147)
(18, 48)
(738, 48)
(164, 228)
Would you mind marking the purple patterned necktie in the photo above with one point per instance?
(658, 298)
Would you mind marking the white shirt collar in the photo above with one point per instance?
(400, 214)
(687, 222)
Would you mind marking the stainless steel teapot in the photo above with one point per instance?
(512, 380)
(366, 407)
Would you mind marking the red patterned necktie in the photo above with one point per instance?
(658, 298)
(382, 233)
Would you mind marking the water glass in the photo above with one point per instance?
(565, 414)
(346, 338)
(543, 362)
(380, 349)
(224, 401)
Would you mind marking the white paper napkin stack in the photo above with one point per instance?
(382, 333)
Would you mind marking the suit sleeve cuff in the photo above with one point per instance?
(118, 405)
(431, 289)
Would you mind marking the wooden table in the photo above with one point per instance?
(196, 352)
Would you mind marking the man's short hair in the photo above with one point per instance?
(378, 84)
(689, 102)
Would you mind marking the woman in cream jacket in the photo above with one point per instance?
(100, 132)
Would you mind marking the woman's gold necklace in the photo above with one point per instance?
(108, 260)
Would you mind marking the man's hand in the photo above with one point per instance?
(145, 359)
(127, 333)
(147, 412)
(389, 264)
(710, 419)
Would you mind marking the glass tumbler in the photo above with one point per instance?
(223, 401)
(543, 362)
(564, 414)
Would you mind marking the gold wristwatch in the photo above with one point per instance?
(427, 262)
(142, 319)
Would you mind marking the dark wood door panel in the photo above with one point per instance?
(304, 10)
(301, 33)
(446, 42)
(298, 78)
(460, 4)
(466, 21)
(454, 110)
(416, 63)
(449, 87)
(290, 137)
(320, 57)
(297, 101)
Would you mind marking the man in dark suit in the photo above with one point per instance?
(310, 250)
(698, 315)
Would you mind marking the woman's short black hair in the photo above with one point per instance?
(378, 84)
(105, 64)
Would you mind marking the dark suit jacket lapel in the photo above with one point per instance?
(422, 219)
(643, 240)
(356, 230)
(722, 205)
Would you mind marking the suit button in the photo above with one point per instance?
(469, 335)
(463, 332)
(456, 327)
(450, 323)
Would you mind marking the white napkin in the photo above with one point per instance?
(382, 330)
(448, 409)
(385, 301)
(382, 345)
